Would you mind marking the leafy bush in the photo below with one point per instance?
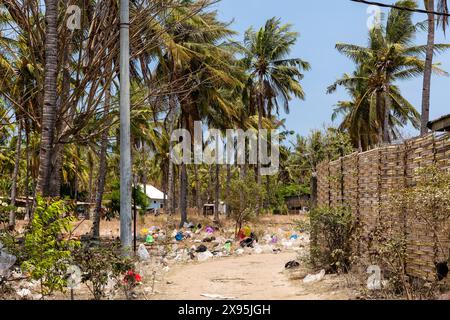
(47, 253)
(99, 264)
(243, 200)
(331, 238)
(114, 197)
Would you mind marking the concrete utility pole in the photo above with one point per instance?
(125, 140)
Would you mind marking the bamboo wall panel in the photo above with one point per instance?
(364, 182)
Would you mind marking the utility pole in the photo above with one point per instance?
(125, 140)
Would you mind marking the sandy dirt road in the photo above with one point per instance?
(248, 277)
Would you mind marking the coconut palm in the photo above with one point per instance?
(443, 20)
(389, 57)
(273, 77)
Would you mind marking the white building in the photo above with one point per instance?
(156, 197)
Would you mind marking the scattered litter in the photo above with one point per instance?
(227, 246)
(294, 237)
(292, 265)
(257, 249)
(209, 239)
(247, 231)
(203, 256)
(143, 253)
(216, 296)
(209, 229)
(189, 225)
(246, 243)
(149, 239)
(314, 277)
(23, 293)
(6, 261)
(267, 248)
(239, 251)
(179, 236)
(201, 248)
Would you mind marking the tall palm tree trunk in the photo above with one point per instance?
(217, 193)
(183, 180)
(380, 117)
(12, 213)
(49, 108)
(101, 172)
(171, 173)
(27, 174)
(425, 117)
(386, 114)
(228, 181)
(198, 202)
(258, 166)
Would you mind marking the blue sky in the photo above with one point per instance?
(321, 25)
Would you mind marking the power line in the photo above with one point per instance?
(384, 5)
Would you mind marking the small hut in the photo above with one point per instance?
(440, 125)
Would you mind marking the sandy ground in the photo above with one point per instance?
(251, 277)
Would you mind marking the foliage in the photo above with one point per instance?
(5, 209)
(99, 265)
(308, 152)
(377, 108)
(332, 234)
(243, 199)
(47, 252)
(142, 200)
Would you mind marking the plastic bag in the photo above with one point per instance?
(257, 249)
(143, 253)
(203, 256)
(314, 277)
(6, 261)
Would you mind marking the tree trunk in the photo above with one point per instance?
(171, 173)
(380, 113)
(258, 166)
(101, 171)
(425, 117)
(183, 179)
(217, 193)
(27, 174)
(12, 213)
(198, 202)
(387, 111)
(183, 194)
(228, 181)
(49, 108)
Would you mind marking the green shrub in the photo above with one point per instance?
(243, 200)
(114, 197)
(331, 230)
(100, 263)
(47, 253)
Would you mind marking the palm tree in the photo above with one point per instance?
(273, 76)
(388, 57)
(49, 108)
(443, 20)
(196, 49)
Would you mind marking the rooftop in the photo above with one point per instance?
(441, 124)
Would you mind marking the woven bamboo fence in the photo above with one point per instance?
(364, 181)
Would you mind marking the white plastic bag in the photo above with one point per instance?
(203, 256)
(314, 277)
(257, 249)
(143, 253)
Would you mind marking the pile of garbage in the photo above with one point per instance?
(195, 242)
